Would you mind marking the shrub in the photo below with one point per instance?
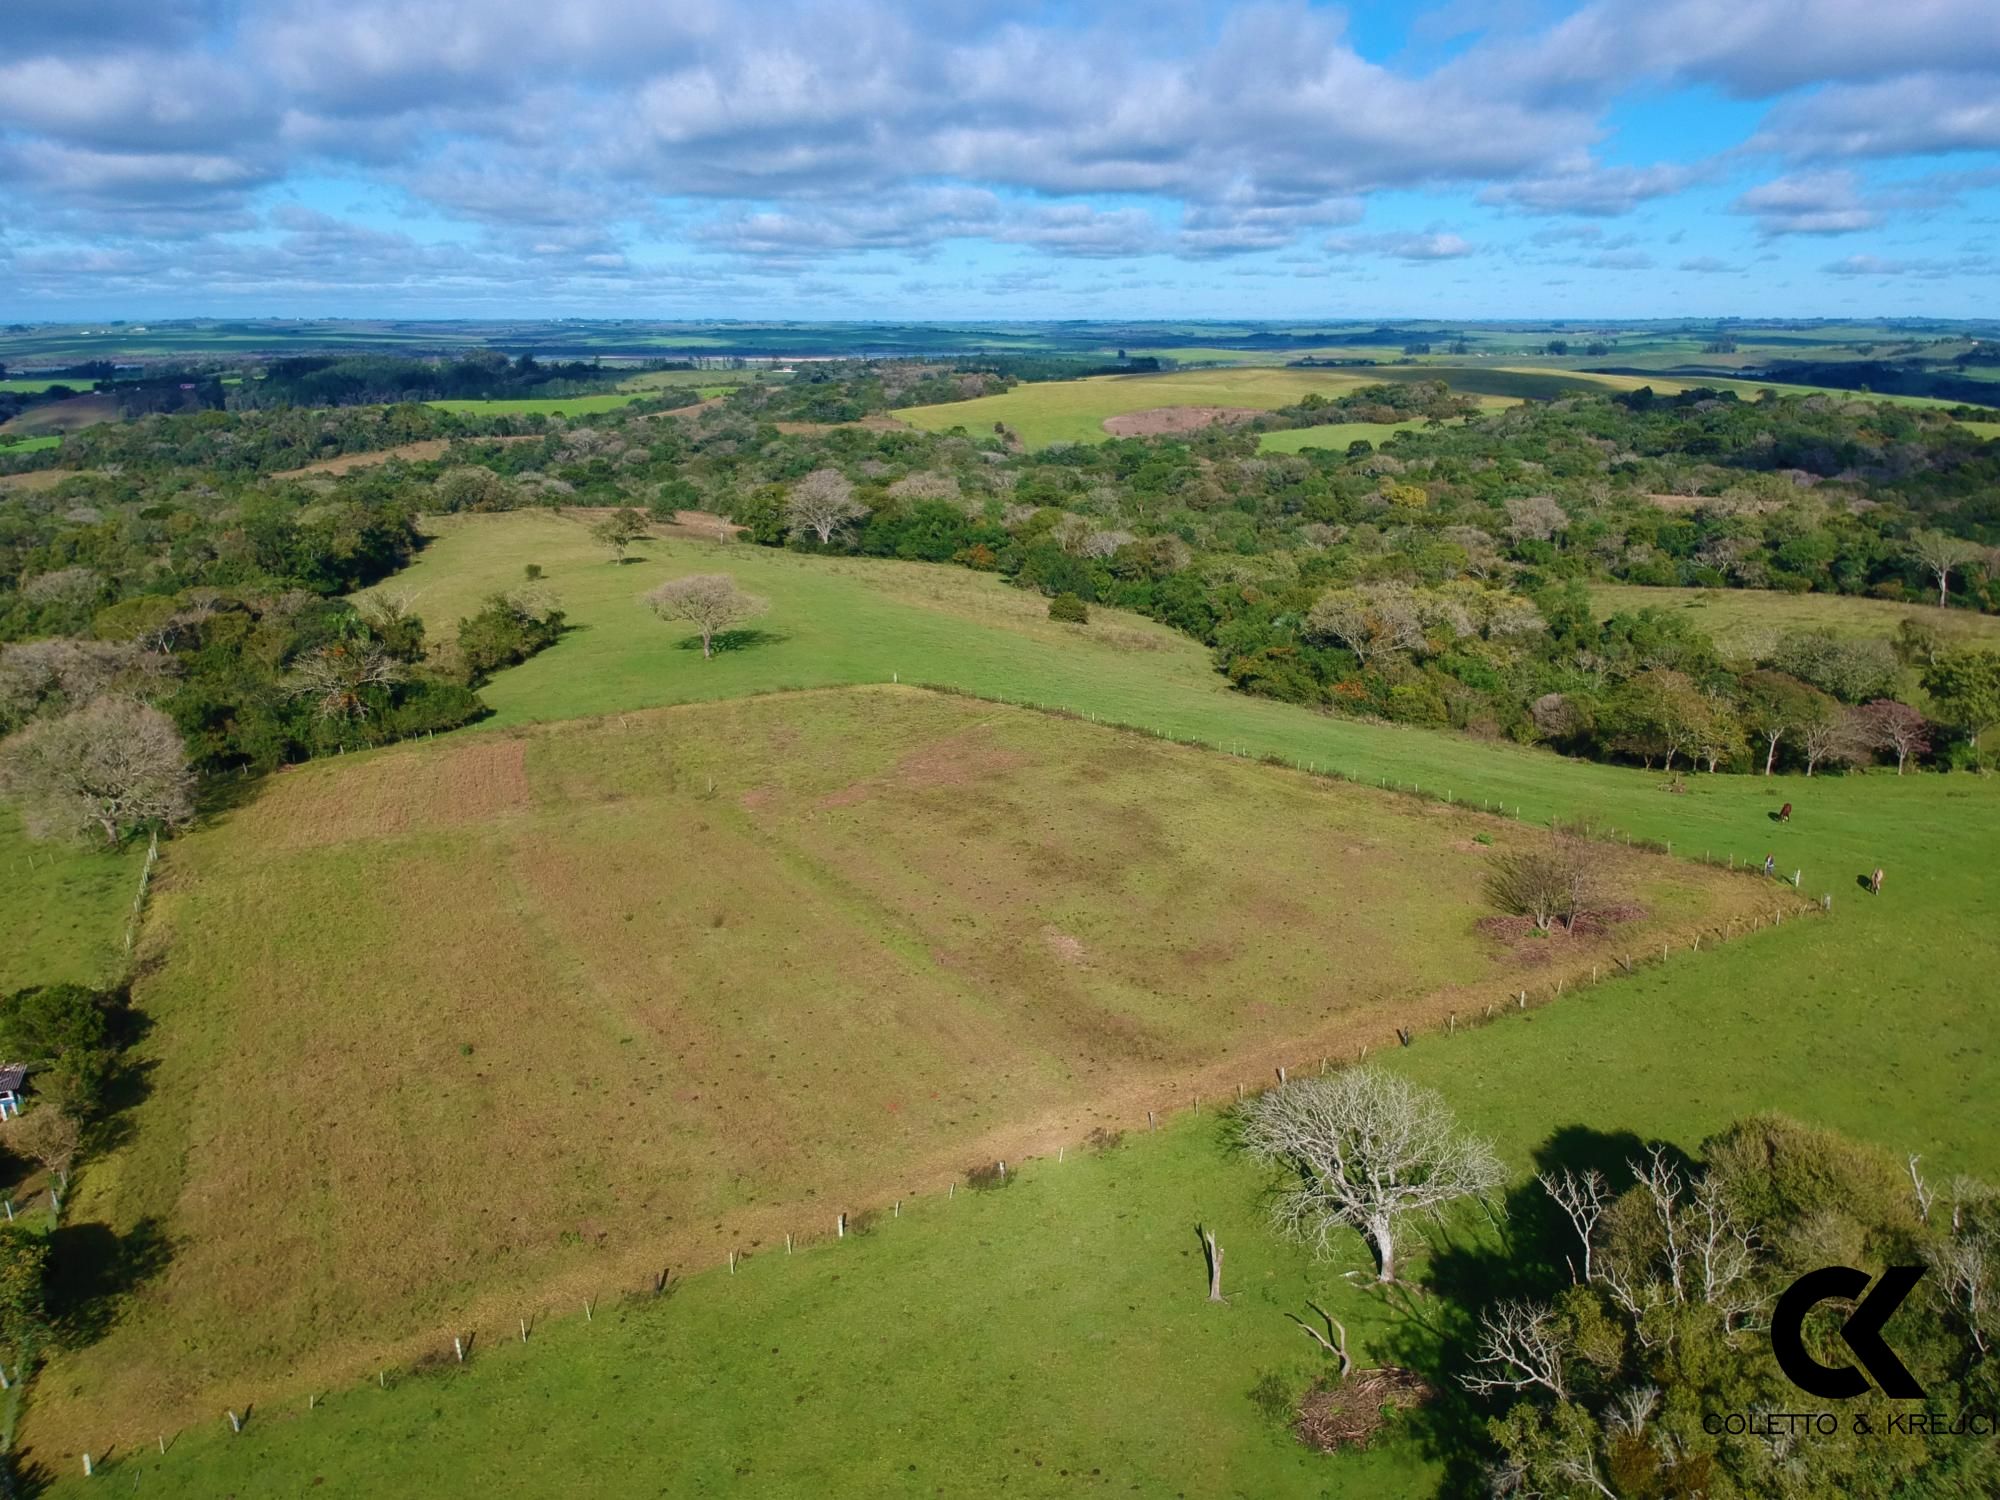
(1069, 609)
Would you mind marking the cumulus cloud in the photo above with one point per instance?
(1828, 202)
(1430, 246)
(1922, 114)
(1591, 190)
(617, 135)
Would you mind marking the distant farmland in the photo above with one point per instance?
(546, 406)
(1073, 411)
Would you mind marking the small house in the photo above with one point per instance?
(12, 1076)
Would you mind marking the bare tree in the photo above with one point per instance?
(1834, 737)
(1333, 1341)
(711, 602)
(1369, 1149)
(1894, 727)
(47, 1134)
(1967, 1261)
(39, 676)
(1535, 518)
(823, 502)
(1370, 619)
(1556, 881)
(1941, 556)
(1700, 1252)
(1214, 1254)
(1520, 1345)
(1582, 1197)
(336, 677)
(112, 765)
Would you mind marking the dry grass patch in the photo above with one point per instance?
(461, 1031)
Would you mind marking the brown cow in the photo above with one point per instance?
(1785, 813)
(1875, 881)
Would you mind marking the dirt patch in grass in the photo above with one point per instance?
(397, 792)
(424, 451)
(1161, 421)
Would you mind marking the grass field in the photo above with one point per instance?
(1749, 621)
(22, 386)
(704, 383)
(1073, 411)
(29, 444)
(569, 406)
(73, 415)
(1066, 1305)
(66, 909)
(612, 995)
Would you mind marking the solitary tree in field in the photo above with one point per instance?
(822, 502)
(111, 766)
(711, 602)
(1895, 728)
(1557, 881)
(619, 530)
(1941, 555)
(1369, 1149)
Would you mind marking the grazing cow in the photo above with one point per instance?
(1875, 881)
(1785, 813)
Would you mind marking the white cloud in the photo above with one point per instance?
(1429, 246)
(1809, 203)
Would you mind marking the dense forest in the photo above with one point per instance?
(1439, 578)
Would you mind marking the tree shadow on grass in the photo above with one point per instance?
(734, 640)
(1470, 1268)
(93, 1270)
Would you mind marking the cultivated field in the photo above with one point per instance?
(608, 996)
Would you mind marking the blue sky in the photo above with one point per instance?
(966, 159)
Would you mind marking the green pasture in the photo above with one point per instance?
(12, 445)
(549, 406)
(66, 908)
(992, 1341)
(1749, 621)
